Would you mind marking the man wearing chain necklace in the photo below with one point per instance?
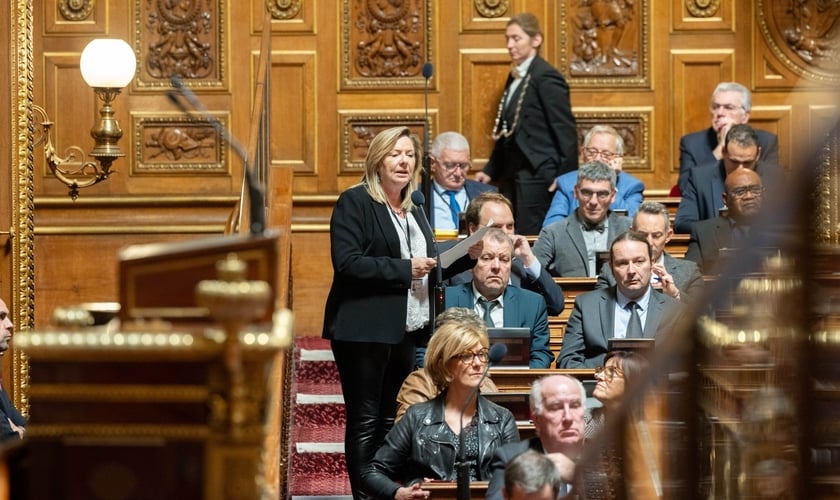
(535, 131)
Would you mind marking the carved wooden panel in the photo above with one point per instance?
(696, 73)
(483, 15)
(359, 128)
(804, 36)
(484, 73)
(821, 119)
(294, 120)
(633, 124)
(174, 144)
(778, 120)
(287, 16)
(185, 39)
(695, 15)
(605, 43)
(385, 44)
(75, 16)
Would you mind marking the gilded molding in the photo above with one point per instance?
(283, 9)
(826, 215)
(491, 8)
(702, 8)
(804, 38)
(76, 10)
(385, 47)
(22, 192)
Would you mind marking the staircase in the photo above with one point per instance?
(317, 468)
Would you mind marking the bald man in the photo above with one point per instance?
(743, 196)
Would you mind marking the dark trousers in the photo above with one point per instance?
(371, 375)
(527, 189)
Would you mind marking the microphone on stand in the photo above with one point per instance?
(255, 191)
(426, 183)
(462, 467)
(439, 304)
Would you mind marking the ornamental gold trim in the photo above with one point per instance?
(491, 8)
(702, 8)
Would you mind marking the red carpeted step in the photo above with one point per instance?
(317, 465)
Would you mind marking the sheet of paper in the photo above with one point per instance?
(462, 248)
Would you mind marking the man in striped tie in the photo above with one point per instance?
(451, 190)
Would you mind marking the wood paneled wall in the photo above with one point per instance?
(341, 70)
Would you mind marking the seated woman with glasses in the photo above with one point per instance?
(621, 368)
(424, 444)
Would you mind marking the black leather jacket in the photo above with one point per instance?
(420, 446)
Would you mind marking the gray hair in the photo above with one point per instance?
(596, 171)
(653, 208)
(449, 140)
(531, 471)
(746, 98)
(536, 400)
(605, 129)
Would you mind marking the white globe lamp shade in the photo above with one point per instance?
(108, 63)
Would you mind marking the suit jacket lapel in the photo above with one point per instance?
(510, 311)
(386, 227)
(576, 237)
(656, 308)
(606, 310)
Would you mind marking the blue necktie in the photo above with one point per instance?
(454, 207)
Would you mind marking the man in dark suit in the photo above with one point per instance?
(630, 309)
(535, 131)
(677, 278)
(731, 105)
(569, 247)
(451, 190)
(525, 270)
(703, 197)
(499, 304)
(744, 194)
(12, 423)
(557, 409)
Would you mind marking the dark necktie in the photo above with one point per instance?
(454, 207)
(634, 326)
(488, 306)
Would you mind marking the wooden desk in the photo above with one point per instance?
(444, 490)
(520, 380)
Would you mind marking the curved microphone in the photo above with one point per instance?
(426, 180)
(462, 467)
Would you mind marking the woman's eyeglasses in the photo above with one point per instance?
(468, 357)
(609, 372)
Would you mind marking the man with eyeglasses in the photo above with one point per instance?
(452, 190)
(602, 143)
(558, 407)
(743, 196)
(500, 305)
(525, 270)
(569, 247)
(630, 309)
(677, 278)
(703, 195)
(730, 105)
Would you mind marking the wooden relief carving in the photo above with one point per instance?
(702, 8)
(804, 35)
(634, 128)
(76, 10)
(491, 8)
(177, 145)
(826, 214)
(386, 42)
(357, 132)
(180, 38)
(606, 42)
(283, 9)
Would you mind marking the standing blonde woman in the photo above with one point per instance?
(377, 310)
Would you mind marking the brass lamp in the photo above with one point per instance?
(107, 65)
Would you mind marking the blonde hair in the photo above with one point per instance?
(382, 144)
(451, 339)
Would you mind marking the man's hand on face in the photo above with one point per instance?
(522, 249)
